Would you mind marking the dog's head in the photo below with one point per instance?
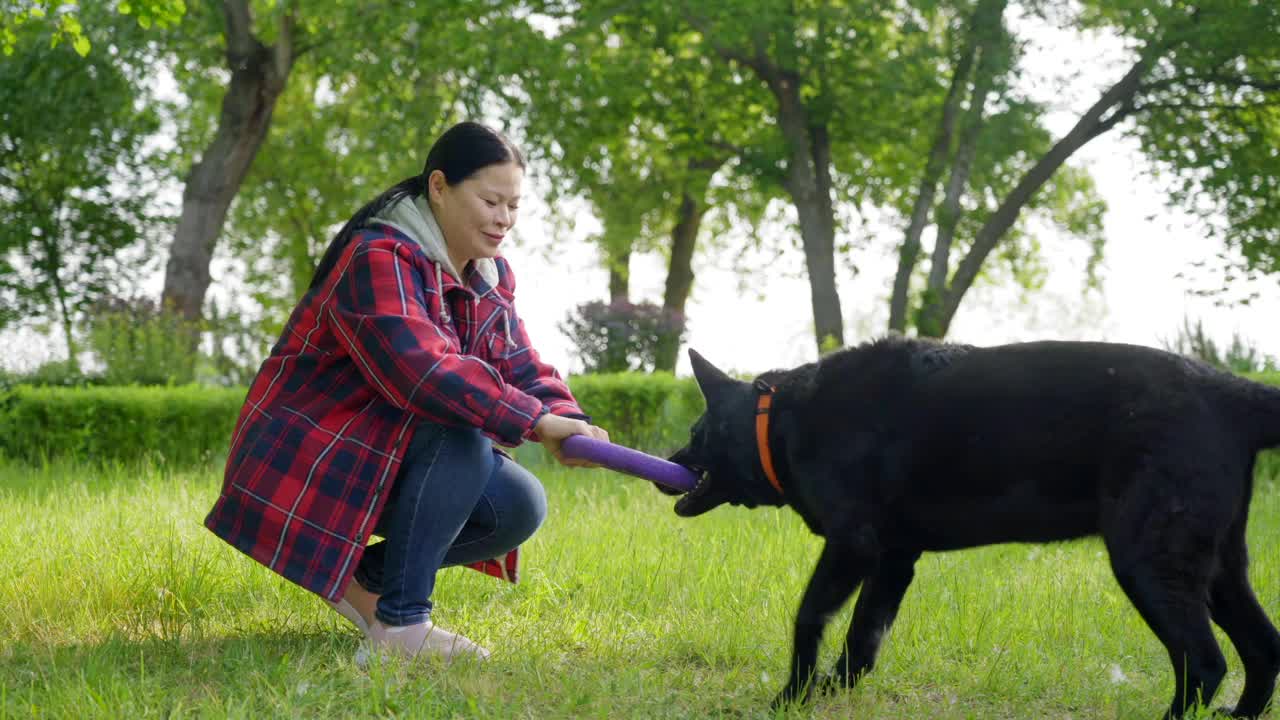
(722, 446)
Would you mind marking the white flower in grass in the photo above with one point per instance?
(1117, 675)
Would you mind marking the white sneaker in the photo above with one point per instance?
(411, 641)
(346, 610)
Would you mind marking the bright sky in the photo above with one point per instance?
(766, 320)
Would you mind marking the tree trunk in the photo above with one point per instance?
(72, 360)
(684, 237)
(619, 275)
(947, 216)
(910, 250)
(809, 184)
(1113, 106)
(616, 350)
(808, 181)
(258, 76)
(53, 255)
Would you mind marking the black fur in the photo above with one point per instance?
(904, 446)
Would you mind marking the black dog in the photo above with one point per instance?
(902, 446)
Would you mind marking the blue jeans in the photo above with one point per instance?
(457, 500)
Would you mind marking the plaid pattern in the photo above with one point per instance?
(377, 348)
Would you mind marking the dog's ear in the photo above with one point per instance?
(711, 380)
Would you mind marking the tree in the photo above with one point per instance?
(73, 178)
(825, 75)
(717, 92)
(981, 38)
(62, 20)
(1209, 122)
(333, 146)
(258, 71)
(241, 58)
(1199, 73)
(978, 154)
(622, 112)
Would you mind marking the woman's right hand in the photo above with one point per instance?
(553, 429)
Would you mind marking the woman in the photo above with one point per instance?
(377, 408)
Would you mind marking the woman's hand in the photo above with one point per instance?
(553, 429)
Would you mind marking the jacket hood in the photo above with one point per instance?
(412, 216)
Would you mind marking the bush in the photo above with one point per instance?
(192, 424)
(236, 344)
(621, 336)
(650, 412)
(181, 425)
(55, 373)
(189, 424)
(1241, 357)
(137, 343)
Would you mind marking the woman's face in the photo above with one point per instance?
(476, 214)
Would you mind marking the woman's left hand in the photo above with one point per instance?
(553, 429)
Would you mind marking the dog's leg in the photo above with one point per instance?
(873, 614)
(1235, 609)
(1181, 620)
(1165, 573)
(838, 573)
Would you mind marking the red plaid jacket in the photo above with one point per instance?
(380, 346)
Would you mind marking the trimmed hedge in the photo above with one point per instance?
(652, 412)
(182, 425)
(190, 424)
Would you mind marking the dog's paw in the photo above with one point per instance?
(792, 694)
(835, 682)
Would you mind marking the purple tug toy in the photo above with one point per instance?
(630, 462)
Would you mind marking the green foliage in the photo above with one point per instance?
(627, 110)
(55, 373)
(1208, 116)
(927, 323)
(75, 179)
(236, 344)
(1240, 357)
(139, 344)
(652, 412)
(361, 107)
(621, 336)
(164, 13)
(189, 423)
(1270, 376)
(325, 158)
(994, 143)
(180, 425)
(62, 21)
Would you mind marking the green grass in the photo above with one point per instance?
(117, 603)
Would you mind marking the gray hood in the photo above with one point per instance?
(413, 217)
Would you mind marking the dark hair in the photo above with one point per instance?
(462, 151)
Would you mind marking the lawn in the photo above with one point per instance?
(117, 603)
